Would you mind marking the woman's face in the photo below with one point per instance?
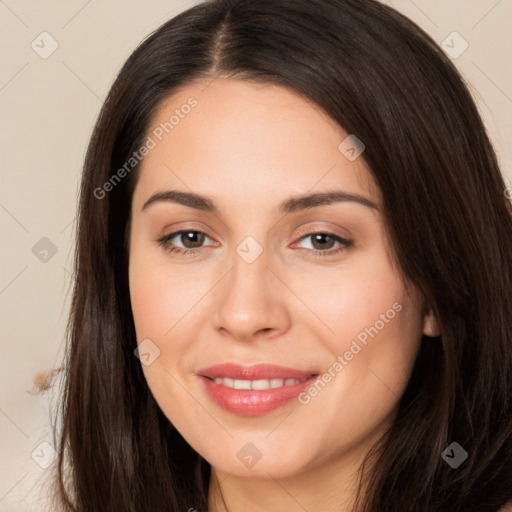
(303, 288)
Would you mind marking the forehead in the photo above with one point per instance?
(246, 139)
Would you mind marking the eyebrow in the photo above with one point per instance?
(292, 204)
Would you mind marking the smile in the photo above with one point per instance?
(253, 390)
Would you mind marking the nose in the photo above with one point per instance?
(251, 301)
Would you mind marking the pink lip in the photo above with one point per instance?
(251, 402)
(253, 372)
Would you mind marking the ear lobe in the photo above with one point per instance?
(430, 323)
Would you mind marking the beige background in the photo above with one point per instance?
(48, 107)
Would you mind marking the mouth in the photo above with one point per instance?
(253, 390)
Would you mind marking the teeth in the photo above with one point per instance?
(242, 384)
(257, 384)
(276, 383)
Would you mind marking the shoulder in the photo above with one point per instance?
(507, 507)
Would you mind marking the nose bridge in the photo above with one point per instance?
(250, 297)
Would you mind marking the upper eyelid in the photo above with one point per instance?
(193, 225)
(303, 234)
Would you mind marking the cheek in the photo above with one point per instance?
(160, 301)
(149, 304)
(160, 296)
(365, 315)
(167, 309)
(351, 299)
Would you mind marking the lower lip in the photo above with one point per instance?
(252, 402)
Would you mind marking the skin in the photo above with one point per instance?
(249, 146)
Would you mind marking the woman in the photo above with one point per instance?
(293, 274)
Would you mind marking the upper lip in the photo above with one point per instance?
(253, 372)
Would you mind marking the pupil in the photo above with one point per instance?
(190, 236)
(320, 237)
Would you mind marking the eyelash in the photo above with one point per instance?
(346, 244)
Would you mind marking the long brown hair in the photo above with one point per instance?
(379, 76)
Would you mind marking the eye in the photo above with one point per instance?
(323, 243)
(191, 239)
